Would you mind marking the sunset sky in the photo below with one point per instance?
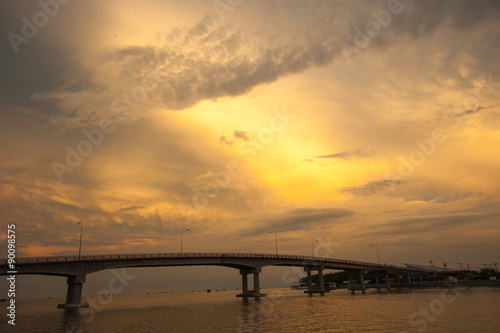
(353, 123)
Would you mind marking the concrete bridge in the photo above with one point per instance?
(76, 268)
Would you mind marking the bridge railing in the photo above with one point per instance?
(31, 260)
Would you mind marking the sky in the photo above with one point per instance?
(369, 126)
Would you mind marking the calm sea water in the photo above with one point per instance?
(429, 310)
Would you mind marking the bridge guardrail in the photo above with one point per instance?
(29, 260)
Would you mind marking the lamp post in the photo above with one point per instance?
(181, 237)
(444, 264)
(378, 257)
(393, 262)
(312, 246)
(81, 233)
(275, 240)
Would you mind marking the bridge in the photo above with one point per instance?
(76, 268)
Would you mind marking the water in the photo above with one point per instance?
(444, 310)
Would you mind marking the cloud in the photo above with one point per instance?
(371, 188)
(473, 110)
(225, 141)
(300, 219)
(434, 223)
(210, 60)
(242, 135)
(133, 207)
(425, 17)
(347, 154)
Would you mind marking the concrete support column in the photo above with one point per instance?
(387, 280)
(351, 283)
(362, 281)
(74, 293)
(377, 284)
(244, 282)
(256, 284)
(309, 280)
(408, 279)
(321, 282)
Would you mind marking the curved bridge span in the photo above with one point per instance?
(76, 268)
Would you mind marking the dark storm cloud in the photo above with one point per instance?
(48, 60)
(428, 15)
(222, 62)
(209, 60)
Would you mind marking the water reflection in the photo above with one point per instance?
(72, 321)
(283, 311)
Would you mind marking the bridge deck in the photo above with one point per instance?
(264, 259)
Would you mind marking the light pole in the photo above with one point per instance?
(81, 233)
(181, 237)
(312, 246)
(393, 262)
(444, 264)
(275, 240)
(378, 257)
(459, 263)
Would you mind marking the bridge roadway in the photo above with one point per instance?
(76, 268)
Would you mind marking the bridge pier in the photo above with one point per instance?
(377, 284)
(74, 294)
(387, 280)
(256, 283)
(244, 282)
(321, 282)
(351, 283)
(362, 281)
(309, 281)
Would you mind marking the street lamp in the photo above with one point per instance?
(81, 233)
(378, 257)
(275, 240)
(181, 237)
(393, 262)
(444, 264)
(312, 246)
